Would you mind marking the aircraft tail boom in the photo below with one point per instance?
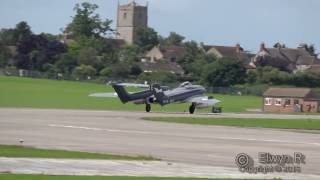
(126, 97)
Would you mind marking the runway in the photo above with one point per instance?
(125, 133)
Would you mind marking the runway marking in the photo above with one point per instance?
(155, 133)
(99, 129)
(269, 140)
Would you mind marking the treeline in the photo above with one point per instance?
(273, 76)
(91, 51)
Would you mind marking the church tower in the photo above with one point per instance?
(130, 17)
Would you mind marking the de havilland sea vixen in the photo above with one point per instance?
(162, 95)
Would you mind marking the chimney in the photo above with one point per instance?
(238, 48)
(262, 47)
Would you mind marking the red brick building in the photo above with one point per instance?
(290, 100)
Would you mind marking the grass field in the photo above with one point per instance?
(21, 151)
(41, 93)
(44, 177)
(264, 123)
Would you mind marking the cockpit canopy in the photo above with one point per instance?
(185, 84)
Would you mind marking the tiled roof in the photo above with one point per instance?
(297, 56)
(287, 92)
(230, 52)
(172, 51)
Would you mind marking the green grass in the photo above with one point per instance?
(41, 93)
(46, 177)
(264, 123)
(22, 151)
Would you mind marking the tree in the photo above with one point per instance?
(35, 51)
(146, 38)
(306, 79)
(22, 29)
(66, 63)
(130, 54)
(121, 70)
(28, 48)
(51, 37)
(271, 75)
(279, 45)
(195, 59)
(252, 76)
(174, 39)
(192, 51)
(135, 70)
(6, 37)
(83, 71)
(224, 72)
(88, 56)
(106, 71)
(310, 48)
(87, 23)
(4, 55)
(10, 37)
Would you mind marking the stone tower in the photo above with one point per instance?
(130, 17)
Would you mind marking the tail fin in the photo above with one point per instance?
(162, 99)
(122, 93)
(126, 97)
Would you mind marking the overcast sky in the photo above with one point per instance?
(218, 22)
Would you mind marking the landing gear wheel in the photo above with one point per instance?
(148, 107)
(192, 108)
(216, 109)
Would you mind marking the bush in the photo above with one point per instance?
(121, 70)
(305, 79)
(158, 77)
(106, 71)
(135, 70)
(224, 72)
(83, 71)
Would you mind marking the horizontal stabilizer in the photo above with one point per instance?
(111, 94)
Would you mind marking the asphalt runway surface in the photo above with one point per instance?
(125, 133)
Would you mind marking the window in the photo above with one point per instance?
(287, 102)
(296, 101)
(277, 102)
(268, 101)
(124, 15)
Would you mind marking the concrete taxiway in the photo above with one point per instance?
(125, 133)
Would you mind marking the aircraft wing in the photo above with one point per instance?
(204, 101)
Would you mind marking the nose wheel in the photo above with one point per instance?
(148, 107)
(192, 108)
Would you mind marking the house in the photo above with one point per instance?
(169, 53)
(163, 58)
(234, 52)
(290, 100)
(314, 69)
(288, 59)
